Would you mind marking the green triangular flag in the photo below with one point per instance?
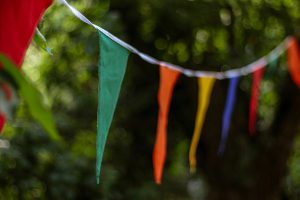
(272, 63)
(112, 67)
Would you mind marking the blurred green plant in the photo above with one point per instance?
(32, 97)
(41, 41)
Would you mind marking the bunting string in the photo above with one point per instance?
(245, 70)
(113, 54)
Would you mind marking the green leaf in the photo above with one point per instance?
(41, 41)
(32, 97)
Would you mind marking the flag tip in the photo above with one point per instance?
(193, 170)
(158, 182)
(221, 150)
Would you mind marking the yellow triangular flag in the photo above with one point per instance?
(205, 86)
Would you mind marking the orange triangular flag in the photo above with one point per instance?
(294, 61)
(168, 79)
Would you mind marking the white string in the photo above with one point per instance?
(250, 68)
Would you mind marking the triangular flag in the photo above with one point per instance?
(2, 122)
(205, 86)
(272, 64)
(18, 20)
(294, 61)
(168, 79)
(230, 101)
(112, 67)
(257, 76)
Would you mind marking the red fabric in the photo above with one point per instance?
(294, 61)
(2, 122)
(168, 79)
(18, 20)
(257, 77)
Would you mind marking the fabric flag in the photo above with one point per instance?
(2, 121)
(205, 86)
(18, 21)
(272, 64)
(294, 61)
(230, 101)
(168, 79)
(257, 77)
(112, 67)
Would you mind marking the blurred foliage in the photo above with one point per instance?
(198, 34)
(31, 96)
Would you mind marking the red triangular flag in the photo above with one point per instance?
(257, 77)
(2, 122)
(18, 20)
(168, 79)
(294, 61)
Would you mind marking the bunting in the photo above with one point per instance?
(112, 67)
(169, 74)
(270, 71)
(257, 77)
(294, 61)
(2, 121)
(230, 101)
(168, 79)
(205, 86)
(19, 23)
(19, 19)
